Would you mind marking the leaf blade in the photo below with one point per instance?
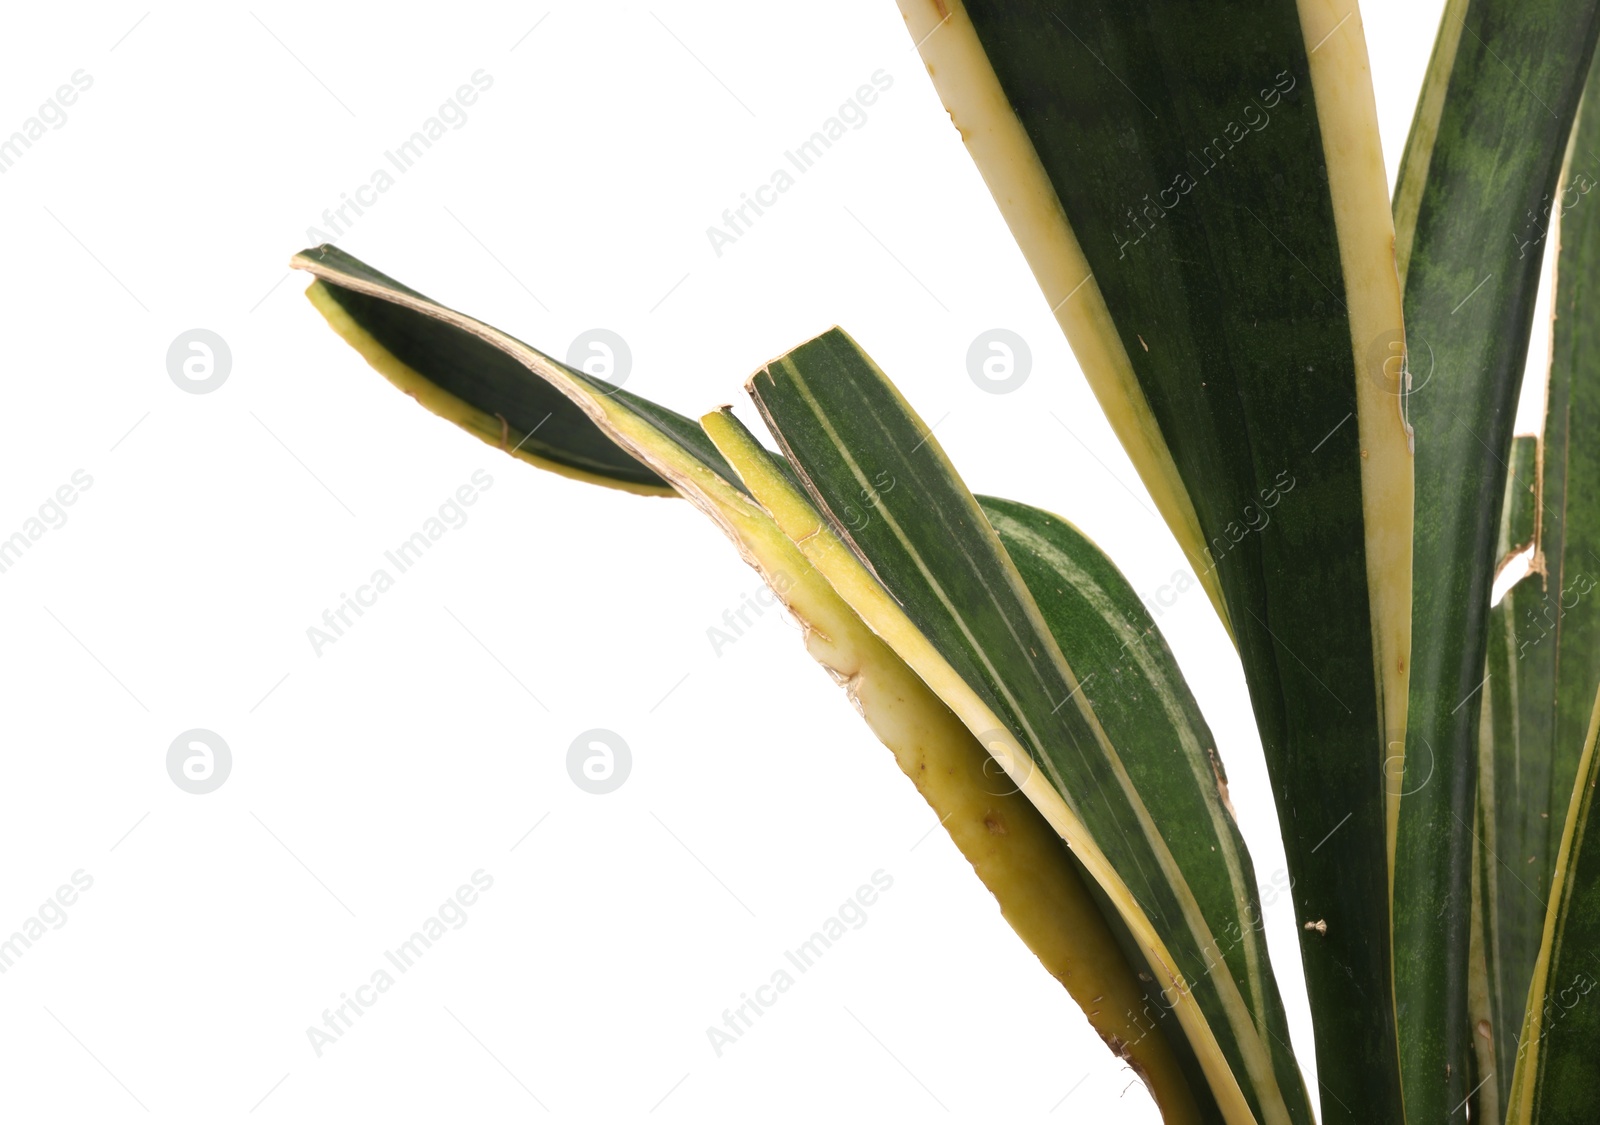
(1545, 642)
(1144, 704)
(466, 371)
(1176, 298)
(951, 600)
(1557, 1079)
(1487, 143)
(1013, 850)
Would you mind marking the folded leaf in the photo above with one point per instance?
(927, 571)
(477, 376)
(1200, 191)
(1132, 683)
(467, 369)
(1471, 214)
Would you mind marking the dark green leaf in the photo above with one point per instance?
(1471, 214)
(497, 387)
(1544, 644)
(1199, 189)
(1153, 832)
(1515, 812)
(1557, 1080)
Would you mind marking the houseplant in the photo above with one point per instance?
(1316, 384)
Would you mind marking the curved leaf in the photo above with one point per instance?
(1200, 191)
(1133, 686)
(472, 374)
(931, 577)
(467, 370)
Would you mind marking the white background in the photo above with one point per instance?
(371, 780)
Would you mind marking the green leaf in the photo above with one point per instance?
(1514, 814)
(1485, 1101)
(1565, 609)
(1544, 647)
(1134, 688)
(1200, 191)
(1471, 212)
(1131, 783)
(1557, 1080)
(477, 376)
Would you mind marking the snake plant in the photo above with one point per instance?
(1317, 384)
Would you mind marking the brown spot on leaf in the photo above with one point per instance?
(1222, 782)
(995, 823)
